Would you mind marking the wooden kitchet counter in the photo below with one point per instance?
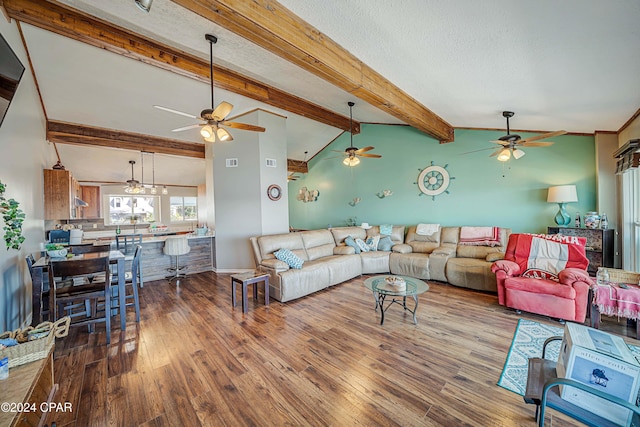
(155, 263)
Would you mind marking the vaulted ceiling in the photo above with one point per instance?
(430, 64)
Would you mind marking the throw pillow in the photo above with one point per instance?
(289, 257)
(362, 245)
(386, 229)
(372, 242)
(385, 244)
(350, 242)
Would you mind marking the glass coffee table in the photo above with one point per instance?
(381, 290)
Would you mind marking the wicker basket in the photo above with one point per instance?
(37, 349)
(623, 276)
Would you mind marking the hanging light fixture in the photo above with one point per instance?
(165, 190)
(142, 189)
(504, 155)
(154, 190)
(133, 185)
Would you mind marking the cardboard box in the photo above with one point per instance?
(602, 361)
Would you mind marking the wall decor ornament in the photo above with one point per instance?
(305, 195)
(355, 201)
(384, 193)
(274, 192)
(434, 180)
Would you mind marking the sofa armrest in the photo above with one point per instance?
(568, 276)
(508, 268)
(344, 250)
(274, 264)
(402, 248)
(438, 262)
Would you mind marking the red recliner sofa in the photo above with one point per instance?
(545, 274)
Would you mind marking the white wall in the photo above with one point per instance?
(24, 153)
(242, 208)
(606, 145)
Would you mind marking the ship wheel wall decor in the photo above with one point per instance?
(434, 180)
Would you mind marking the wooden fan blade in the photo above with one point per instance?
(503, 143)
(362, 150)
(222, 110)
(536, 144)
(191, 116)
(495, 153)
(243, 126)
(375, 156)
(544, 136)
(187, 127)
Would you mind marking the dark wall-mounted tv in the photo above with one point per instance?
(11, 70)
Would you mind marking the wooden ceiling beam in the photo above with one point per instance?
(272, 26)
(77, 25)
(72, 133)
(298, 166)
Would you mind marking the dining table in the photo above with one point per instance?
(41, 268)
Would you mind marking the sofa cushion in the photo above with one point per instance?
(289, 257)
(397, 233)
(375, 262)
(479, 252)
(350, 241)
(341, 233)
(362, 245)
(540, 286)
(372, 242)
(385, 243)
(268, 244)
(318, 243)
(344, 250)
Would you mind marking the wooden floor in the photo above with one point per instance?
(322, 360)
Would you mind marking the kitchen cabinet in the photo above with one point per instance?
(91, 195)
(599, 244)
(60, 192)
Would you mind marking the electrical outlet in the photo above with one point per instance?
(95, 225)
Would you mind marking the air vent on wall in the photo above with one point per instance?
(232, 163)
(271, 163)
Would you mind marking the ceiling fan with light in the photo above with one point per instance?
(511, 143)
(353, 153)
(213, 119)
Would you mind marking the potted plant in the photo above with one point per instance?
(13, 218)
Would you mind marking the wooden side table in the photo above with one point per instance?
(247, 279)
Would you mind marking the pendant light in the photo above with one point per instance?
(142, 189)
(133, 185)
(154, 190)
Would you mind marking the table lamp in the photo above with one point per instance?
(562, 194)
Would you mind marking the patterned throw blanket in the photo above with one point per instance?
(613, 300)
(544, 256)
(480, 236)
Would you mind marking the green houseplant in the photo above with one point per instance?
(13, 218)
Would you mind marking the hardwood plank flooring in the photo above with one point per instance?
(323, 360)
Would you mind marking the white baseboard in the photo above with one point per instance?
(232, 270)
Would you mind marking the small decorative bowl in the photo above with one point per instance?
(395, 281)
(57, 253)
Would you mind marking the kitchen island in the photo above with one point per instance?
(154, 263)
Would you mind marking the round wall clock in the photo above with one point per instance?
(274, 192)
(434, 180)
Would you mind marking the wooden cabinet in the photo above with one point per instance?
(91, 195)
(60, 191)
(600, 250)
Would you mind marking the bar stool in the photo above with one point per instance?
(176, 246)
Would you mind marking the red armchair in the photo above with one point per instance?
(545, 274)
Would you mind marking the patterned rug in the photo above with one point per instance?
(527, 342)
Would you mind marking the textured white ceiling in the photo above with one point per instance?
(559, 65)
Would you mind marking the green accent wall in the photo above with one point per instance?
(482, 191)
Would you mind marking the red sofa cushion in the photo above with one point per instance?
(540, 286)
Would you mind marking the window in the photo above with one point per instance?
(126, 209)
(184, 209)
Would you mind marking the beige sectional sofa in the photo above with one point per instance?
(329, 261)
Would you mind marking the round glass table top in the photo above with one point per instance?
(379, 285)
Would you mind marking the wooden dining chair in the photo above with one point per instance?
(85, 249)
(95, 295)
(131, 285)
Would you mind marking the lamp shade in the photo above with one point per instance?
(562, 194)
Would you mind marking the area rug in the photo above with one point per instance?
(527, 342)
